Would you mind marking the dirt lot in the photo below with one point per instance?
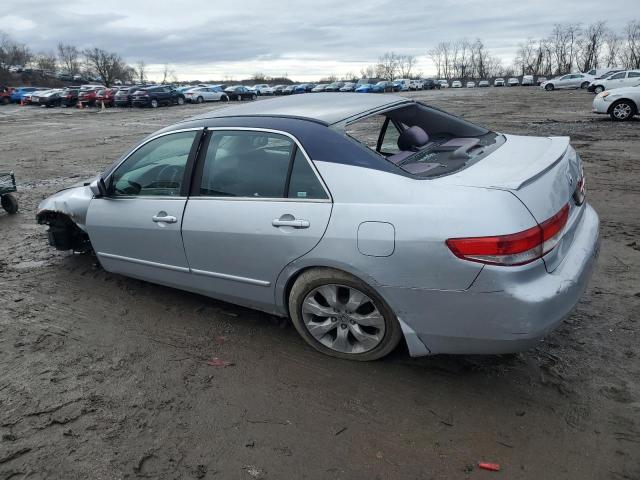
(106, 377)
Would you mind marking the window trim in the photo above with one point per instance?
(188, 169)
(196, 178)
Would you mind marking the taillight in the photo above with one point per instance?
(513, 249)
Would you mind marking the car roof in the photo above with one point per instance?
(327, 108)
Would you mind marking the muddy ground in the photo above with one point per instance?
(105, 377)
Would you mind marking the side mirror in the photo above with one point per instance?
(98, 188)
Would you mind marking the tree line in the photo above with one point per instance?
(89, 63)
(569, 47)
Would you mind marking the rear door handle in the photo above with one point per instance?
(291, 223)
(164, 219)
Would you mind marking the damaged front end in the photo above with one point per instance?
(65, 213)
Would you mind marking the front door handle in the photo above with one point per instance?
(162, 217)
(279, 222)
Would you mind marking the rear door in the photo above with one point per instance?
(257, 204)
(633, 78)
(135, 228)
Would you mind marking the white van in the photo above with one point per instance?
(405, 83)
(527, 80)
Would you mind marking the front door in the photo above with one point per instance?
(135, 228)
(258, 205)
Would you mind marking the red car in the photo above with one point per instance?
(87, 96)
(5, 95)
(106, 95)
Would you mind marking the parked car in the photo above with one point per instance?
(67, 97)
(87, 96)
(349, 87)
(41, 97)
(483, 83)
(277, 90)
(334, 87)
(627, 78)
(258, 88)
(106, 96)
(431, 84)
(205, 94)
(443, 83)
(5, 95)
(620, 103)
(572, 80)
(456, 84)
(240, 92)
(601, 72)
(124, 96)
(527, 80)
(471, 84)
(513, 82)
(498, 82)
(403, 84)
(320, 87)
(384, 86)
(357, 265)
(289, 89)
(416, 85)
(155, 96)
(17, 94)
(364, 88)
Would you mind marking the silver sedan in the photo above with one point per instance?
(367, 219)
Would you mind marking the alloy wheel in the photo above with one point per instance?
(343, 318)
(622, 111)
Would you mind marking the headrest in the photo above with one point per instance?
(413, 138)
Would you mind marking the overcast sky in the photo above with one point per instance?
(305, 39)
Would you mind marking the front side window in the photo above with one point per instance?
(254, 164)
(155, 169)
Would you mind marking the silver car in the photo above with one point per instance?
(367, 219)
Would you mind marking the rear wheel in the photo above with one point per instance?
(584, 85)
(341, 316)
(199, 100)
(224, 98)
(599, 89)
(254, 96)
(154, 103)
(9, 203)
(548, 87)
(622, 110)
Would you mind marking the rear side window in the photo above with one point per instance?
(634, 74)
(304, 183)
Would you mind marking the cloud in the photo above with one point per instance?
(303, 39)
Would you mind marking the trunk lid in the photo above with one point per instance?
(542, 172)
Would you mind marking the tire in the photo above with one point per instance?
(622, 110)
(239, 97)
(224, 98)
(598, 89)
(180, 101)
(5, 100)
(379, 338)
(548, 87)
(154, 103)
(9, 203)
(254, 97)
(584, 85)
(199, 100)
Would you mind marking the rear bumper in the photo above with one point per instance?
(507, 309)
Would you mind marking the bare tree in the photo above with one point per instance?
(526, 57)
(109, 66)
(168, 74)
(387, 66)
(631, 52)
(141, 72)
(613, 43)
(69, 58)
(590, 46)
(406, 63)
(46, 62)
(13, 53)
(368, 72)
